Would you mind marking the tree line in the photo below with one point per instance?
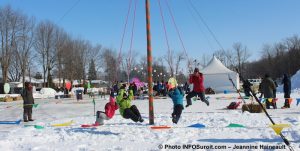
(28, 46)
(275, 59)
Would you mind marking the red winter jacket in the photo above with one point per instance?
(111, 107)
(197, 81)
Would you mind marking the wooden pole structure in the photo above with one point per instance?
(149, 62)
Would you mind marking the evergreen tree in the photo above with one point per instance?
(92, 74)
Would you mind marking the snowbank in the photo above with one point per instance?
(44, 93)
(296, 80)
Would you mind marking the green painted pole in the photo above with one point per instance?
(149, 62)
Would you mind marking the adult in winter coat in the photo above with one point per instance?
(28, 102)
(198, 90)
(286, 81)
(127, 110)
(110, 109)
(177, 98)
(267, 88)
(247, 87)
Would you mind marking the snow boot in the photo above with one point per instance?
(141, 119)
(206, 102)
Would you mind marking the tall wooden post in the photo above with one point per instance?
(149, 62)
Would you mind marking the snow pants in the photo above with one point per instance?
(27, 114)
(192, 94)
(286, 102)
(132, 113)
(177, 113)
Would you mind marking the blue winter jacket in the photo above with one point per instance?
(176, 96)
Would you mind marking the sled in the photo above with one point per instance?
(35, 126)
(63, 124)
(198, 125)
(10, 122)
(160, 127)
(89, 125)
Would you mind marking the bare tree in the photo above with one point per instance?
(61, 41)
(170, 61)
(205, 59)
(110, 63)
(44, 45)
(9, 30)
(25, 45)
(68, 60)
(14, 72)
(128, 63)
(179, 58)
(241, 55)
(293, 48)
(95, 54)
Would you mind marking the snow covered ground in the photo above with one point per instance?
(124, 134)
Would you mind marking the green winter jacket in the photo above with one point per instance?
(124, 103)
(268, 86)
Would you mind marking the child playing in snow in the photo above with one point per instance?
(197, 79)
(110, 109)
(127, 110)
(177, 98)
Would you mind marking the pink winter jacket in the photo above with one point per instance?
(111, 107)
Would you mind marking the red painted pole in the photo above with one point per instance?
(149, 62)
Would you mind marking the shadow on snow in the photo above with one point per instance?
(90, 131)
(250, 140)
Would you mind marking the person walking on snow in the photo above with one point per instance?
(286, 81)
(177, 97)
(110, 109)
(28, 102)
(267, 88)
(197, 80)
(127, 110)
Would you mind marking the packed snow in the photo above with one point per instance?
(124, 134)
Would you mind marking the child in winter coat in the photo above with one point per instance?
(127, 110)
(177, 98)
(28, 102)
(197, 79)
(110, 109)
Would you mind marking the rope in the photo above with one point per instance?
(68, 11)
(165, 30)
(122, 40)
(131, 40)
(181, 41)
(198, 24)
(202, 20)
(177, 30)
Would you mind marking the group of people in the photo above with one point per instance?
(267, 88)
(125, 95)
(121, 97)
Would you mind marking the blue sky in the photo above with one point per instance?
(251, 22)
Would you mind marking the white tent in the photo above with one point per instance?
(216, 76)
